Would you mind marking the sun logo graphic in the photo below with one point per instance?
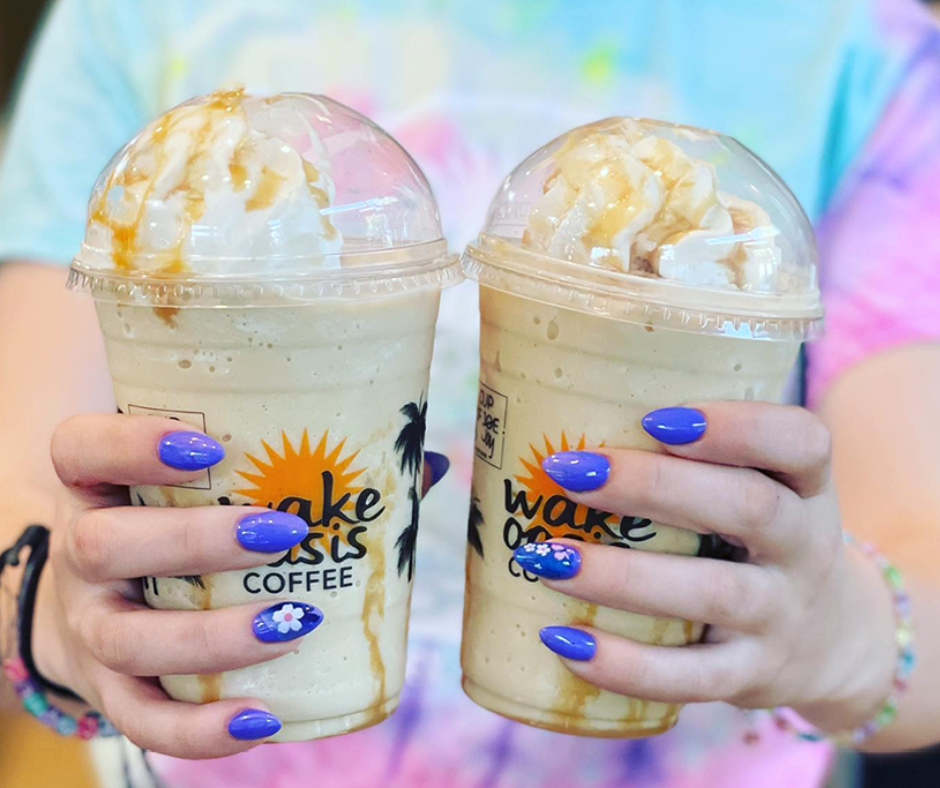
(538, 510)
(319, 486)
(554, 513)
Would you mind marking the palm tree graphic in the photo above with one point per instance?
(410, 444)
(474, 523)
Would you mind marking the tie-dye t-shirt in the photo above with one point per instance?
(842, 97)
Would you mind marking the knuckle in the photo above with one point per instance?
(712, 680)
(178, 740)
(88, 546)
(62, 450)
(195, 540)
(698, 684)
(758, 502)
(209, 643)
(728, 596)
(111, 642)
(647, 480)
(818, 442)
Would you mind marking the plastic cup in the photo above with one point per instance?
(576, 346)
(287, 309)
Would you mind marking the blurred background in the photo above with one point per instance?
(30, 757)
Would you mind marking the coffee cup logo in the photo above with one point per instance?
(538, 510)
(319, 486)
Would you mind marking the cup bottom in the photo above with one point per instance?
(565, 723)
(306, 730)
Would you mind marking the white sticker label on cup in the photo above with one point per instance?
(491, 425)
(197, 419)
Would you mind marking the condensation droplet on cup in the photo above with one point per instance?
(737, 367)
(558, 372)
(552, 330)
(185, 363)
(226, 438)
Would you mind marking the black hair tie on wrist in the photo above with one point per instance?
(36, 537)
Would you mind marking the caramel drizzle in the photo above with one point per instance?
(192, 186)
(374, 608)
(269, 182)
(618, 213)
(576, 692)
(125, 237)
(322, 199)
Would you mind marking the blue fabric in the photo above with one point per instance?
(802, 82)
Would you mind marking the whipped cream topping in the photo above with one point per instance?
(226, 184)
(625, 199)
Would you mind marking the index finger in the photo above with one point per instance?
(789, 443)
(93, 453)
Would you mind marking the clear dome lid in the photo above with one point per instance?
(281, 191)
(654, 222)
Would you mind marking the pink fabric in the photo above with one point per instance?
(880, 242)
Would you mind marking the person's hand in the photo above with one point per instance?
(94, 635)
(802, 622)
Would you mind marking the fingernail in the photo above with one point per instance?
(675, 426)
(189, 451)
(270, 532)
(578, 471)
(286, 621)
(252, 724)
(548, 559)
(438, 465)
(569, 643)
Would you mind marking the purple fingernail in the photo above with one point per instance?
(675, 426)
(286, 621)
(569, 643)
(578, 471)
(252, 724)
(549, 560)
(270, 532)
(189, 451)
(438, 465)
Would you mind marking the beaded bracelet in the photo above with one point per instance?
(18, 668)
(36, 702)
(903, 638)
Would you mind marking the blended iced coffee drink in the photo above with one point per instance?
(626, 266)
(269, 270)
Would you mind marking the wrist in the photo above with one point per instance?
(48, 651)
(864, 655)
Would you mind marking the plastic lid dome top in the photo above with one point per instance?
(627, 213)
(232, 185)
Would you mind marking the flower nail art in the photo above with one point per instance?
(549, 560)
(286, 621)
